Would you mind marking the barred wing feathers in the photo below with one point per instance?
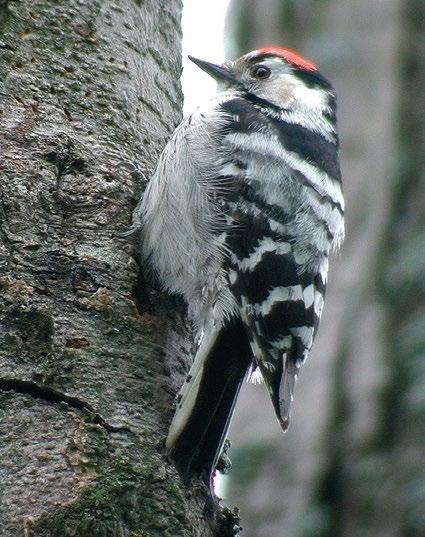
(276, 276)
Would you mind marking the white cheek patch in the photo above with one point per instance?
(315, 99)
(291, 91)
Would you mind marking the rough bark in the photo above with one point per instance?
(89, 94)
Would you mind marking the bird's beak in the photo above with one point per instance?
(218, 72)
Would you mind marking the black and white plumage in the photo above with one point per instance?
(240, 217)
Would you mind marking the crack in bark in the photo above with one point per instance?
(51, 395)
(152, 108)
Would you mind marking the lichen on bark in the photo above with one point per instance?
(89, 95)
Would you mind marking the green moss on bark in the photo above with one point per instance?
(85, 90)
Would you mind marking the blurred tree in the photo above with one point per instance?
(350, 465)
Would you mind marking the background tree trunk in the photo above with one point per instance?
(350, 464)
(90, 92)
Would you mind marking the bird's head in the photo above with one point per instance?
(276, 75)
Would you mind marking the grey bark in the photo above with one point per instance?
(89, 94)
(350, 465)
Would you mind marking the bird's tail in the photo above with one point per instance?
(206, 402)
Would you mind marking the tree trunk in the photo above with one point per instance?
(401, 440)
(89, 94)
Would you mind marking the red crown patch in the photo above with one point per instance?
(289, 56)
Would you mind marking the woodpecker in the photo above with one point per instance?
(240, 217)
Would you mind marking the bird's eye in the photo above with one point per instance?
(261, 72)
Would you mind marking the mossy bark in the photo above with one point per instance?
(89, 95)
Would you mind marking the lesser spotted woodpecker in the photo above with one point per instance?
(240, 217)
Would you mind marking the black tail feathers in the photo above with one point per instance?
(199, 444)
